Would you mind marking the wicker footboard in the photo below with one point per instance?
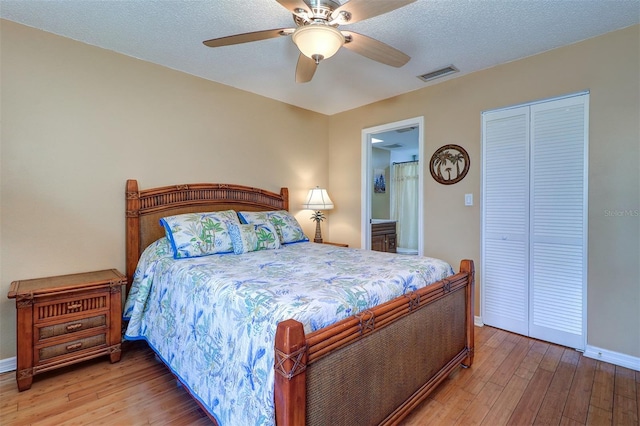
(376, 367)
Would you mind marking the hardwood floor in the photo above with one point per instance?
(514, 380)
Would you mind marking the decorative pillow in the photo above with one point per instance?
(267, 236)
(199, 234)
(252, 237)
(287, 227)
(243, 238)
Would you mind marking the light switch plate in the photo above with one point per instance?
(468, 199)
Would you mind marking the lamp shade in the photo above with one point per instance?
(318, 199)
(318, 41)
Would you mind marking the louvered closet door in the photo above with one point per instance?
(558, 221)
(535, 220)
(505, 283)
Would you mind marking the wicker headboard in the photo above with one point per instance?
(145, 208)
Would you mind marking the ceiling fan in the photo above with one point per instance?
(317, 37)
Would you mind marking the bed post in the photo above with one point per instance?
(133, 229)
(284, 192)
(290, 377)
(468, 267)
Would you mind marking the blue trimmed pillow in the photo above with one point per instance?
(252, 237)
(199, 234)
(287, 227)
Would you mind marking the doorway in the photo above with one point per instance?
(401, 143)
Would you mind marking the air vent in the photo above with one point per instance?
(393, 145)
(438, 73)
(406, 129)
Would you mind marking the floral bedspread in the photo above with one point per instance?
(213, 319)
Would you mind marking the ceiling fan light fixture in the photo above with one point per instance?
(318, 41)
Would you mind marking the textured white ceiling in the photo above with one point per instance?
(472, 35)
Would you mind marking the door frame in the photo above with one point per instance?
(367, 178)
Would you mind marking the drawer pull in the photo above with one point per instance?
(74, 306)
(74, 346)
(72, 327)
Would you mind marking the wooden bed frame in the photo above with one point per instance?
(371, 368)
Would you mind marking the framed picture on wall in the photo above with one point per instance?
(379, 181)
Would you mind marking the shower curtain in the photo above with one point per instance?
(404, 203)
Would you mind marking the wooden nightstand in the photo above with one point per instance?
(66, 319)
(336, 244)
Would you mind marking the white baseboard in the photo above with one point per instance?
(611, 357)
(8, 364)
(600, 354)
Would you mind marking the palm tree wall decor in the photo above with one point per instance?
(453, 160)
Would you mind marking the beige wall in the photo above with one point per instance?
(77, 121)
(607, 66)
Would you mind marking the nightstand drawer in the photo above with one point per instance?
(81, 304)
(71, 327)
(60, 349)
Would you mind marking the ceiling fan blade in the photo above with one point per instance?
(360, 10)
(297, 7)
(374, 49)
(305, 69)
(247, 37)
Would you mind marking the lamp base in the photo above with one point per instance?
(318, 237)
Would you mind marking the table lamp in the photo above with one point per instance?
(318, 200)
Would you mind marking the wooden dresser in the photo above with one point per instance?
(383, 236)
(66, 319)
